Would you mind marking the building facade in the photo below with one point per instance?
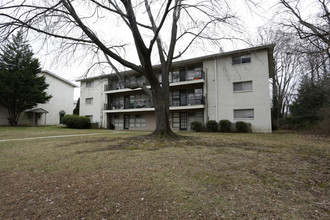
(50, 113)
(232, 85)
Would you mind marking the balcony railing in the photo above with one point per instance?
(174, 77)
(147, 104)
(116, 106)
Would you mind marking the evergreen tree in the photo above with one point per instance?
(20, 86)
(311, 98)
(76, 109)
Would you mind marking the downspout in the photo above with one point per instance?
(216, 89)
(101, 104)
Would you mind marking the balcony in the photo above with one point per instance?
(176, 78)
(148, 106)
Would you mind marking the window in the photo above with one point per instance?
(117, 84)
(195, 116)
(141, 80)
(176, 120)
(183, 97)
(195, 96)
(118, 121)
(130, 80)
(198, 73)
(241, 59)
(139, 121)
(89, 101)
(242, 86)
(244, 113)
(117, 102)
(140, 101)
(175, 98)
(182, 74)
(190, 73)
(175, 76)
(89, 84)
(131, 122)
(90, 117)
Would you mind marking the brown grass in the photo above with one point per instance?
(199, 176)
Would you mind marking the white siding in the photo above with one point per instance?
(220, 100)
(228, 100)
(95, 91)
(62, 100)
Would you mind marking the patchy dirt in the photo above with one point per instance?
(199, 176)
(30, 195)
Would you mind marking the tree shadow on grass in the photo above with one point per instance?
(150, 143)
(142, 142)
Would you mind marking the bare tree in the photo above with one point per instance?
(286, 68)
(315, 28)
(155, 27)
(316, 66)
(302, 48)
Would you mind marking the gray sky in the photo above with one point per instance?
(71, 68)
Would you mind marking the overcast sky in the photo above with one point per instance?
(71, 68)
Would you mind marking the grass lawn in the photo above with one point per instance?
(201, 176)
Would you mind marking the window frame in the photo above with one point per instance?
(89, 84)
(89, 101)
(245, 118)
(90, 117)
(242, 59)
(242, 86)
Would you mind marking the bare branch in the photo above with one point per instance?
(122, 80)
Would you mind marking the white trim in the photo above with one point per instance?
(172, 108)
(189, 82)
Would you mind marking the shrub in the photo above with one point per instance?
(241, 127)
(196, 126)
(212, 126)
(225, 125)
(95, 125)
(75, 121)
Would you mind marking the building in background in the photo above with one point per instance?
(52, 112)
(231, 85)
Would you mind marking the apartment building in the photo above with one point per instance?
(232, 85)
(52, 112)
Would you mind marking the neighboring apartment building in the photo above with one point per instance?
(52, 112)
(232, 85)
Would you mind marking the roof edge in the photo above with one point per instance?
(58, 77)
(268, 47)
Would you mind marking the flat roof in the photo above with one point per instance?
(268, 47)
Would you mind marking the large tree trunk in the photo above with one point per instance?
(162, 114)
(13, 117)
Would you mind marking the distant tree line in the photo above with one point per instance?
(301, 84)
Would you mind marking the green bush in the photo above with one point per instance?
(95, 125)
(225, 125)
(212, 126)
(196, 126)
(241, 127)
(75, 121)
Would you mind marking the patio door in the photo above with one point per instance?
(126, 121)
(183, 97)
(183, 120)
(126, 102)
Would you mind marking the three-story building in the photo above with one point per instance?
(232, 85)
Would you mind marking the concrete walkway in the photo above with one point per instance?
(61, 136)
(57, 136)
